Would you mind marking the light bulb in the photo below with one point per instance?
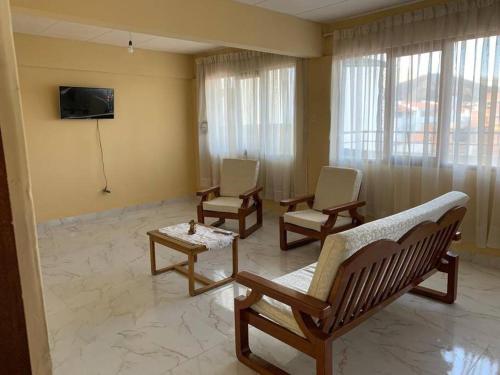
(130, 47)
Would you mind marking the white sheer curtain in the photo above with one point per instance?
(415, 105)
(248, 109)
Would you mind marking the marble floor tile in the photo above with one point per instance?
(108, 315)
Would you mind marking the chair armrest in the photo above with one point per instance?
(249, 193)
(343, 207)
(295, 201)
(288, 296)
(205, 192)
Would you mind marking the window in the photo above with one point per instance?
(253, 114)
(362, 102)
(441, 104)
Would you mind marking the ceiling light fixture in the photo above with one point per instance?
(130, 45)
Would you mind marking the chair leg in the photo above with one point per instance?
(243, 352)
(241, 333)
(284, 244)
(283, 235)
(243, 230)
(324, 359)
(451, 287)
(451, 269)
(259, 213)
(242, 224)
(201, 217)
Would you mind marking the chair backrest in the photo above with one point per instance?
(336, 186)
(238, 176)
(340, 246)
(385, 269)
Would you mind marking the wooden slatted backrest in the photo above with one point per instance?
(383, 270)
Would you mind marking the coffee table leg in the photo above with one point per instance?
(152, 256)
(235, 257)
(190, 275)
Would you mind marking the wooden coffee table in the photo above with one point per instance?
(191, 250)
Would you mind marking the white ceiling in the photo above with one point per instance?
(324, 10)
(29, 24)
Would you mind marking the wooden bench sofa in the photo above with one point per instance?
(358, 272)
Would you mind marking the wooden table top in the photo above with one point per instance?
(179, 244)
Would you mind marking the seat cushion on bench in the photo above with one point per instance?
(223, 204)
(312, 219)
(340, 246)
(280, 313)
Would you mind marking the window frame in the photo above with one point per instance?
(394, 54)
(445, 99)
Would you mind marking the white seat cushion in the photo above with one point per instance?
(238, 176)
(280, 313)
(312, 219)
(340, 246)
(223, 204)
(336, 186)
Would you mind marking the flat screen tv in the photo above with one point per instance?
(86, 102)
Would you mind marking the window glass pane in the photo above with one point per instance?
(362, 90)
(416, 98)
(475, 113)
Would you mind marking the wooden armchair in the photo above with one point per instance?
(333, 208)
(235, 198)
(358, 272)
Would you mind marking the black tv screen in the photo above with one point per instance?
(86, 102)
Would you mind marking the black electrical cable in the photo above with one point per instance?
(105, 190)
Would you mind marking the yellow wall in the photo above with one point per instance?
(149, 148)
(318, 76)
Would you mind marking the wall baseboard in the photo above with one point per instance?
(109, 213)
(478, 257)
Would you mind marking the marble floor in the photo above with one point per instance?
(108, 315)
